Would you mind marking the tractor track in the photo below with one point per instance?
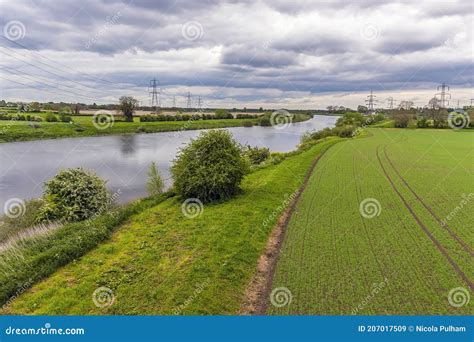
(258, 291)
(464, 245)
(438, 245)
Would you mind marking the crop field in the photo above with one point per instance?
(385, 226)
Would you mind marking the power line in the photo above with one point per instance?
(56, 62)
(49, 85)
(31, 86)
(188, 101)
(154, 95)
(370, 102)
(53, 73)
(390, 100)
(444, 96)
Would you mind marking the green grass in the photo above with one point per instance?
(334, 261)
(387, 123)
(33, 259)
(161, 262)
(21, 130)
(83, 126)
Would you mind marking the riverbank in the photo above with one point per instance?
(83, 126)
(158, 259)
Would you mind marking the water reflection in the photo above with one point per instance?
(122, 160)
(128, 144)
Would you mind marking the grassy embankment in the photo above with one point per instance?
(335, 261)
(161, 262)
(12, 130)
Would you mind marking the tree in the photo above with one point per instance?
(440, 118)
(222, 114)
(434, 103)
(406, 105)
(66, 110)
(34, 106)
(210, 167)
(401, 118)
(362, 109)
(128, 104)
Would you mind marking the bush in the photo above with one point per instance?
(246, 116)
(50, 117)
(155, 184)
(401, 120)
(210, 167)
(264, 121)
(248, 124)
(74, 195)
(350, 118)
(223, 114)
(345, 131)
(63, 117)
(422, 123)
(306, 137)
(256, 155)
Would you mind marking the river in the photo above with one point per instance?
(122, 160)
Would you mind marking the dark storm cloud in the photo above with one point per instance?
(298, 45)
(258, 57)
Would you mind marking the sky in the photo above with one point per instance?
(268, 53)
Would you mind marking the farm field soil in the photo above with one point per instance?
(161, 262)
(410, 249)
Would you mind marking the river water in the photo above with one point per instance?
(122, 160)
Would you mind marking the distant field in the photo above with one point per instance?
(83, 126)
(403, 261)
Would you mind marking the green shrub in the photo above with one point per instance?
(74, 195)
(277, 157)
(246, 116)
(223, 114)
(422, 123)
(256, 155)
(248, 124)
(210, 167)
(345, 131)
(440, 123)
(401, 119)
(155, 184)
(350, 118)
(306, 137)
(264, 121)
(63, 117)
(50, 117)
